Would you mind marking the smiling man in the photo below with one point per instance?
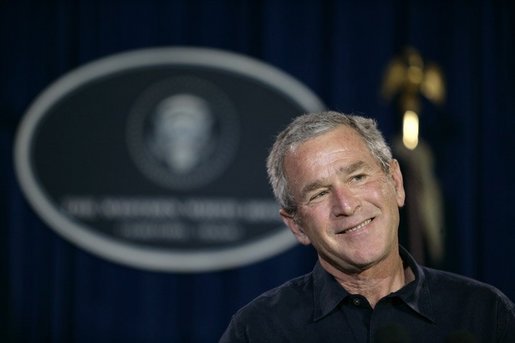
(340, 190)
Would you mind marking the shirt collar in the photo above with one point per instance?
(416, 294)
(328, 293)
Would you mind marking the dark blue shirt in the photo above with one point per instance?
(436, 307)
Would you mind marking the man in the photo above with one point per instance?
(340, 190)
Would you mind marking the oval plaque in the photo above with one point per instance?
(155, 158)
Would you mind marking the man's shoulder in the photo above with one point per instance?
(443, 282)
(275, 314)
(291, 293)
(445, 279)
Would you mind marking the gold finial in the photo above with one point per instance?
(408, 77)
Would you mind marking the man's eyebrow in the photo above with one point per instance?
(311, 187)
(343, 170)
(352, 167)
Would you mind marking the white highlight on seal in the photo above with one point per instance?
(182, 131)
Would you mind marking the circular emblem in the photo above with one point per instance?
(155, 158)
(183, 132)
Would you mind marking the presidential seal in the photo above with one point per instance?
(183, 132)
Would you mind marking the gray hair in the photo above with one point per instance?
(309, 126)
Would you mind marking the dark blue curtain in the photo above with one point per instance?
(53, 291)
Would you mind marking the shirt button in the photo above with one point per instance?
(356, 301)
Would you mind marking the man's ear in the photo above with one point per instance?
(295, 227)
(395, 171)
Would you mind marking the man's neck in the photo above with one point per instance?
(376, 282)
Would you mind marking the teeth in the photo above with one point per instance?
(359, 226)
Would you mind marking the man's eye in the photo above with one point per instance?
(318, 195)
(359, 177)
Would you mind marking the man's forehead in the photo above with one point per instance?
(343, 148)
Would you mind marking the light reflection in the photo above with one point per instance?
(410, 130)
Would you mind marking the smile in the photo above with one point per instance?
(356, 228)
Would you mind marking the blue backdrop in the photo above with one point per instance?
(53, 291)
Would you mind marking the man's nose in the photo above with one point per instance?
(345, 201)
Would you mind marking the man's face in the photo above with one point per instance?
(347, 207)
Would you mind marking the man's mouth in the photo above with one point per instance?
(357, 227)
